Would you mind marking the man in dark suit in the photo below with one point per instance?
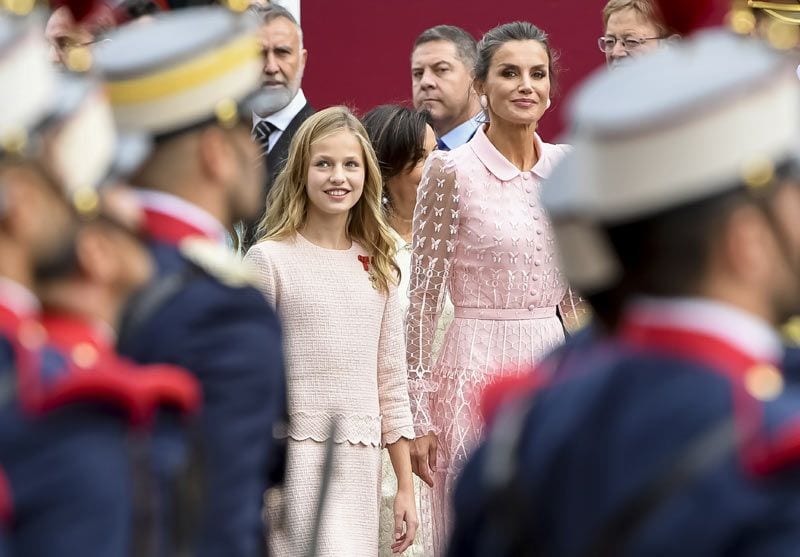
(286, 107)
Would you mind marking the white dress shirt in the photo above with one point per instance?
(282, 118)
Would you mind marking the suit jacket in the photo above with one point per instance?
(276, 159)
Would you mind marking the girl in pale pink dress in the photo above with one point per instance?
(481, 234)
(326, 264)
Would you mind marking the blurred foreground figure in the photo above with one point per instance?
(676, 434)
(191, 79)
(68, 470)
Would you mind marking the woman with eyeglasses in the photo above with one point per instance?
(633, 27)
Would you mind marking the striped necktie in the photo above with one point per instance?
(261, 134)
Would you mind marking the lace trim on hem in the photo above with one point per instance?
(353, 428)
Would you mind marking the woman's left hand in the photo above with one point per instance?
(405, 513)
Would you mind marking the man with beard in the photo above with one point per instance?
(676, 434)
(193, 93)
(285, 106)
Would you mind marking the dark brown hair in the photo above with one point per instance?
(466, 45)
(514, 31)
(397, 134)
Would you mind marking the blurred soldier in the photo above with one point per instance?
(675, 435)
(84, 297)
(194, 93)
(67, 485)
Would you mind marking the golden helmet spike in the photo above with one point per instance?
(786, 11)
(775, 21)
(19, 7)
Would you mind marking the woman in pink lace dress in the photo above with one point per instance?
(481, 234)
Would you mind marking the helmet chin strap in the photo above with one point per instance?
(791, 258)
(3, 203)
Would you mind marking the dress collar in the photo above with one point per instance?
(501, 167)
(170, 219)
(400, 243)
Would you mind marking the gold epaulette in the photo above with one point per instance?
(791, 331)
(219, 262)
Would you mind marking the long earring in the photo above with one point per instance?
(484, 100)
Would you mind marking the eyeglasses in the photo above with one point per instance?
(607, 44)
(65, 43)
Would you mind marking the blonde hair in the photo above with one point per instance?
(646, 8)
(287, 202)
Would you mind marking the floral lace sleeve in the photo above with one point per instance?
(435, 233)
(575, 311)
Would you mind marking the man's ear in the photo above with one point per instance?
(95, 255)
(303, 57)
(21, 199)
(215, 155)
(477, 88)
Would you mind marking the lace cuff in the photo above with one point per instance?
(422, 414)
(393, 436)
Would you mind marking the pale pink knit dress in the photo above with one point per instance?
(480, 234)
(345, 357)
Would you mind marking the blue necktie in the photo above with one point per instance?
(441, 145)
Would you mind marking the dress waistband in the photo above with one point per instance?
(494, 314)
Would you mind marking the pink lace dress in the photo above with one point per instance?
(480, 234)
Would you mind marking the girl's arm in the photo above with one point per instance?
(405, 510)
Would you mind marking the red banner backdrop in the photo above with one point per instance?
(359, 50)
